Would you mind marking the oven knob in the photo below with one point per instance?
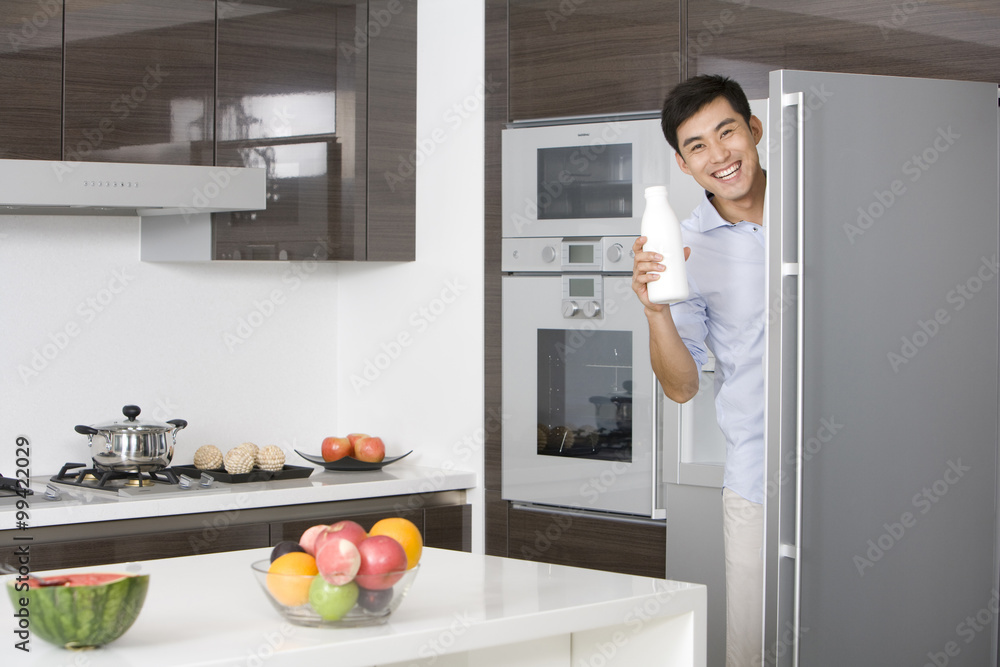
(548, 253)
(615, 253)
(591, 309)
(570, 308)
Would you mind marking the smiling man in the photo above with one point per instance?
(707, 121)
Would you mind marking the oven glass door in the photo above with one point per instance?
(577, 398)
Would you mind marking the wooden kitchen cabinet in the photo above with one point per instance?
(322, 95)
(592, 541)
(599, 57)
(31, 80)
(951, 39)
(139, 81)
(442, 522)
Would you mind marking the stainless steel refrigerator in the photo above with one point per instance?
(882, 372)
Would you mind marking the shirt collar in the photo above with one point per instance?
(708, 217)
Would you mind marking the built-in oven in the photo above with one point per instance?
(586, 425)
(580, 427)
(581, 178)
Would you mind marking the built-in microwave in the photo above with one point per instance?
(581, 178)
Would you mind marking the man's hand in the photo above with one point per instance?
(641, 276)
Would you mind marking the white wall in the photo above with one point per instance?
(162, 335)
(411, 335)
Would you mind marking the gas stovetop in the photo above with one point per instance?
(77, 474)
(11, 488)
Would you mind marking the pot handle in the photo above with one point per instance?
(86, 430)
(178, 423)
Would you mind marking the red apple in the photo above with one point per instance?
(354, 437)
(338, 560)
(334, 449)
(348, 530)
(308, 539)
(383, 562)
(369, 449)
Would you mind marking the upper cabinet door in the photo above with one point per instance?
(292, 87)
(945, 39)
(139, 81)
(31, 79)
(583, 58)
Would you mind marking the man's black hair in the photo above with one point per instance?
(688, 97)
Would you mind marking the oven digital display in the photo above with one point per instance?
(581, 287)
(581, 254)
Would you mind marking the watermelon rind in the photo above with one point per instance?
(79, 617)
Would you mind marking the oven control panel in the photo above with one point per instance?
(605, 254)
(582, 296)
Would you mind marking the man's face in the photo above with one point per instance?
(719, 149)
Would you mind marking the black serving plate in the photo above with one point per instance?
(255, 475)
(349, 463)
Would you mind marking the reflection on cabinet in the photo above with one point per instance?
(580, 58)
(951, 39)
(327, 110)
(592, 541)
(290, 102)
(31, 79)
(139, 81)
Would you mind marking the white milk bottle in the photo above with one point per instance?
(662, 230)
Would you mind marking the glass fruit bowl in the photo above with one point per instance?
(311, 601)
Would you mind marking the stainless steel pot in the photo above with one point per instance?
(132, 445)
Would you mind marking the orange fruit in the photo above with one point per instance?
(289, 578)
(406, 533)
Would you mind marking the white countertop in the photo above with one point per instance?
(208, 610)
(83, 505)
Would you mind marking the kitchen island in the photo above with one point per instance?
(463, 609)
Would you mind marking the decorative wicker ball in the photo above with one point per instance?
(271, 458)
(252, 448)
(238, 461)
(208, 457)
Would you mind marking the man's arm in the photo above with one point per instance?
(672, 363)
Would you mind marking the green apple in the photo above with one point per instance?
(330, 601)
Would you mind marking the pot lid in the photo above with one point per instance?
(132, 423)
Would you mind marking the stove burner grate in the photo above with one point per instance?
(77, 474)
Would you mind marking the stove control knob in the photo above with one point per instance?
(615, 253)
(591, 309)
(570, 308)
(548, 254)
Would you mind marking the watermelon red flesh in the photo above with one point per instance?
(85, 610)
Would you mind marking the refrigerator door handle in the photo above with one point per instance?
(658, 503)
(783, 409)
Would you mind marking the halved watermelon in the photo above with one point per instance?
(82, 611)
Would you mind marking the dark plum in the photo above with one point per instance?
(374, 601)
(282, 548)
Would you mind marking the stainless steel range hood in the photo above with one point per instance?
(116, 188)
